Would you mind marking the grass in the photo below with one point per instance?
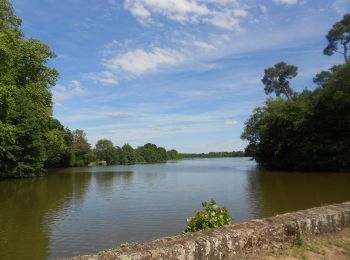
(320, 246)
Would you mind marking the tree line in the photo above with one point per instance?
(307, 130)
(213, 154)
(149, 153)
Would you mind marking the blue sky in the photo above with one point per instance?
(182, 74)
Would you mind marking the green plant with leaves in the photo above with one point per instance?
(211, 217)
(339, 38)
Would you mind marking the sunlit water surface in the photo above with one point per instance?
(85, 210)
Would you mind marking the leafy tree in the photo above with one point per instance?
(150, 153)
(339, 38)
(57, 145)
(25, 99)
(162, 155)
(106, 151)
(321, 78)
(173, 155)
(82, 154)
(128, 154)
(276, 79)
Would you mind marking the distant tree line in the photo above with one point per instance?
(308, 130)
(213, 155)
(149, 153)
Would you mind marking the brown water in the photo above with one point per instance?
(84, 210)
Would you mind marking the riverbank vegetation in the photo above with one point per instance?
(307, 130)
(213, 155)
(149, 153)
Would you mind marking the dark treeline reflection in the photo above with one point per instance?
(274, 193)
(28, 207)
(107, 182)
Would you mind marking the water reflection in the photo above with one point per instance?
(27, 209)
(84, 210)
(274, 193)
(108, 182)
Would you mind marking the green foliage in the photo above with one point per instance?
(339, 38)
(149, 153)
(308, 132)
(276, 79)
(106, 151)
(25, 99)
(173, 155)
(321, 78)
(128, 154)
(82, 154)
(213, 155)
(211, 217)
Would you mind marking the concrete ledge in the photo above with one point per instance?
(236, 240)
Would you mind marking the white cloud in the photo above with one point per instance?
(140, 11)
(118, 115)
(61, 92)
(287, 2)
(225, 21)
(225, 14)
(203, 45)
(240, 12)
(105, 78)
(139, 61)
(230, 122)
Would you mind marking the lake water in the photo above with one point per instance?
(85, 210)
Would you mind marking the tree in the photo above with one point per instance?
(309, 132)
(339, 38)
(25, 99)
(128, 154)
(57, 144)
(276, 79)
(106, 151)
(82, 154)
(321, 78)
(173, 155)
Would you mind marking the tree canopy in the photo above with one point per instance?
(339, 38)
(276, 79)
(25, 99)
(309, 132)
(149, 153)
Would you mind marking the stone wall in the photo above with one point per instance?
(233, 241)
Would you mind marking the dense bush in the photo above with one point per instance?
(211, 217)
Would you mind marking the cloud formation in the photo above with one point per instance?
(225, 14)
(139, 61)
(287, 2)
(72, 89)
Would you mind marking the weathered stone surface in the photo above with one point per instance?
(231, 242)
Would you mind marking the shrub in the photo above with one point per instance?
(211, 217)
